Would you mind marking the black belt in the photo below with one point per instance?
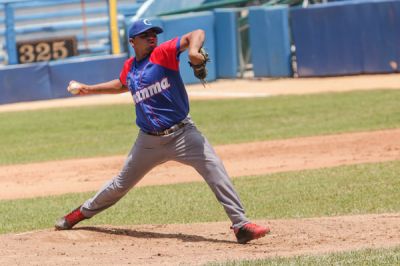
(168, 130)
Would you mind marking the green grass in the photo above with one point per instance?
(357, 189)
(353, 258)
(300, 115)
(63, 133)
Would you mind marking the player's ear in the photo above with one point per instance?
(131, 42)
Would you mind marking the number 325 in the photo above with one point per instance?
(42, 51)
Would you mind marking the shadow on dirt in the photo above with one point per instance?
(146, 234)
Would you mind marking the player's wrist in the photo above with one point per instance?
(196, 58)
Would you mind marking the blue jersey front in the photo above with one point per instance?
(157, 88)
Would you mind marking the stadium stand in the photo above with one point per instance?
(87, 20)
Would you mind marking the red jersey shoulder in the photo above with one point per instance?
(125, 70)
(166, 54)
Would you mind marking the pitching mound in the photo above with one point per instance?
(197, 244)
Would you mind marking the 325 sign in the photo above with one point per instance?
(46, 49)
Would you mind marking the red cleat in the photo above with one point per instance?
(249, 232)
(69, 220)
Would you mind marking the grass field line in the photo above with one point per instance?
(199, 243)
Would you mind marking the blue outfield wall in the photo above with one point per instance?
(226, 39)
(25, 83)
(381, 37)
(338, 38)
(41, 81)
(86, 70)
(270, 41)
(348, 37)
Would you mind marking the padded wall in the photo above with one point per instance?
(349, 37)
(226, 39)
(270, 41)
(380, 36)
(327, 39)
(40, 81)
(20, 83)
(86, 70)
(181, 24)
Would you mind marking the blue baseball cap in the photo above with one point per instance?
(142, 25)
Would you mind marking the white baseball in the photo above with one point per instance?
(393, 65)
(74, 88)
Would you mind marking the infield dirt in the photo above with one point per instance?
(196, 244)
(180, 244)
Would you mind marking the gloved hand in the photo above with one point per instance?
(200, 70)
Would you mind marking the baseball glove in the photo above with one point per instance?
(200, 70)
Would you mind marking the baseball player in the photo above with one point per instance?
(167, 131)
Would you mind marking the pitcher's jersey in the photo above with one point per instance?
(155, 83)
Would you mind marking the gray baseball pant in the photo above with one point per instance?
(186, 145)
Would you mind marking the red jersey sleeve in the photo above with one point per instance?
(124, 72)
(167, 54)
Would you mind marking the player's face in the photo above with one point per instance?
(145, 42)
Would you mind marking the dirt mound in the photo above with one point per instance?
(195, 244)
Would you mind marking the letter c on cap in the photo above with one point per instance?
(146, 21)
